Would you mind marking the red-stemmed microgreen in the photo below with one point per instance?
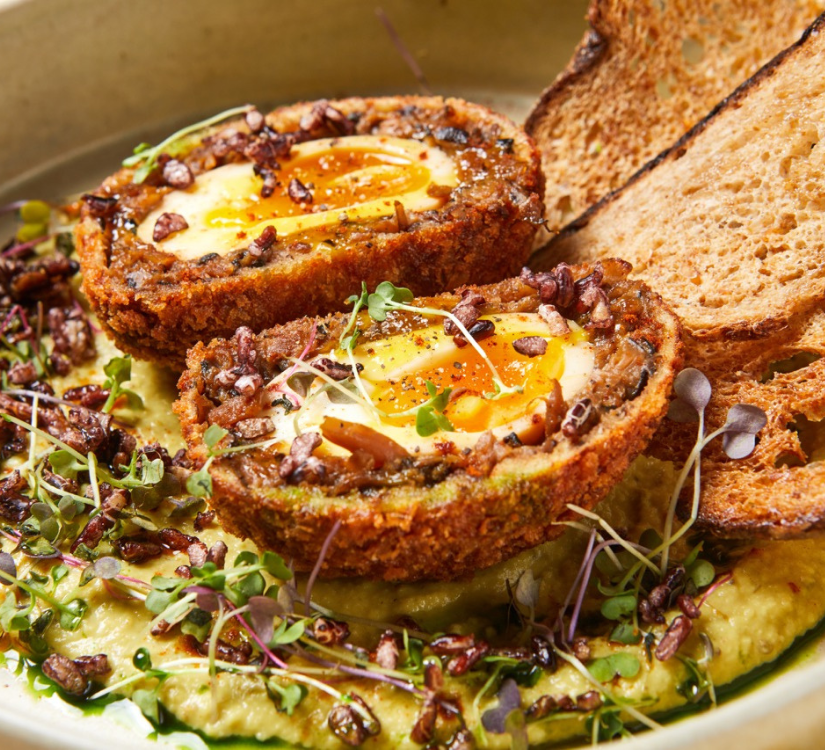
(744, 421)
(147, 155)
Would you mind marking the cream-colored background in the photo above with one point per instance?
(81, 81)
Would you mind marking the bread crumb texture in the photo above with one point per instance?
(728, 226)
(643, 75)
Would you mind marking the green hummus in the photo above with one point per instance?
(774, 594)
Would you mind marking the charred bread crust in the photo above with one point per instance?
(443, 517)
(156, 306)
(641, 76)
(750, 292)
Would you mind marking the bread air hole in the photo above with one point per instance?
(811, 435)
(796, 362)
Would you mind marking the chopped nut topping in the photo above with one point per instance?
(530, 346)
(264, 242)
(177, 174)
(299, 192)
(167, 224)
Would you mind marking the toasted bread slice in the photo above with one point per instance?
(729, 226)
(398, 509)
(641, 77)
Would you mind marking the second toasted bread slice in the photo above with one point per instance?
(729, 226)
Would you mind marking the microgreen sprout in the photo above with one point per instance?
(744, 421)
(118, 371)
(388, 297)
(147, 155)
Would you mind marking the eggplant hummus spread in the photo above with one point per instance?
(267, 218)
(473, 482)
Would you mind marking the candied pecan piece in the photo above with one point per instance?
(688, 606)
(177, 175)
(137, 550)
(465, 661)
(175, 539)
(350, 725)
(168, 224)
(198, 552)
(674, 637)
(452, 644)
(217, 554)
(299, 452)
(72, 334)
(298, 192)
(481, 329)
(530, 346)
(68, 675)
(580, 419)
(100, 206)
(422, 731)
(264, 241)
(333, 369)
(330, 632)
(93, 666)
(254, 428)
(386, 652)
(14, 506)
(112, 502)
(88, 396)
(22, 373)
(556, 323)
(204, 519)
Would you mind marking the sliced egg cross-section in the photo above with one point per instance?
(341, 179)
(395, 372)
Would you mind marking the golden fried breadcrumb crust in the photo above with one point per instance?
(449, 517)
(156, 306)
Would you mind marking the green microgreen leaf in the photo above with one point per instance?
(607, 667)
(618, 607)
(197, 623)
(625, 632)
(174, 144)
(66, 465)
(429, 417)
(72, 613)
(13, 619)
(213, 435)
(142, 659)
(285, 697)
(59, 572)
(386, 294)
(158, 601)
(199, 483)
(284, 635)
(702, 573)
(118, 371)
(274, 565)
(210, 576)
(147, 701)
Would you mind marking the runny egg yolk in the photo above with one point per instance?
(341, 180)
(336, 178)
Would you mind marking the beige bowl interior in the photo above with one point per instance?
(85, 80)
